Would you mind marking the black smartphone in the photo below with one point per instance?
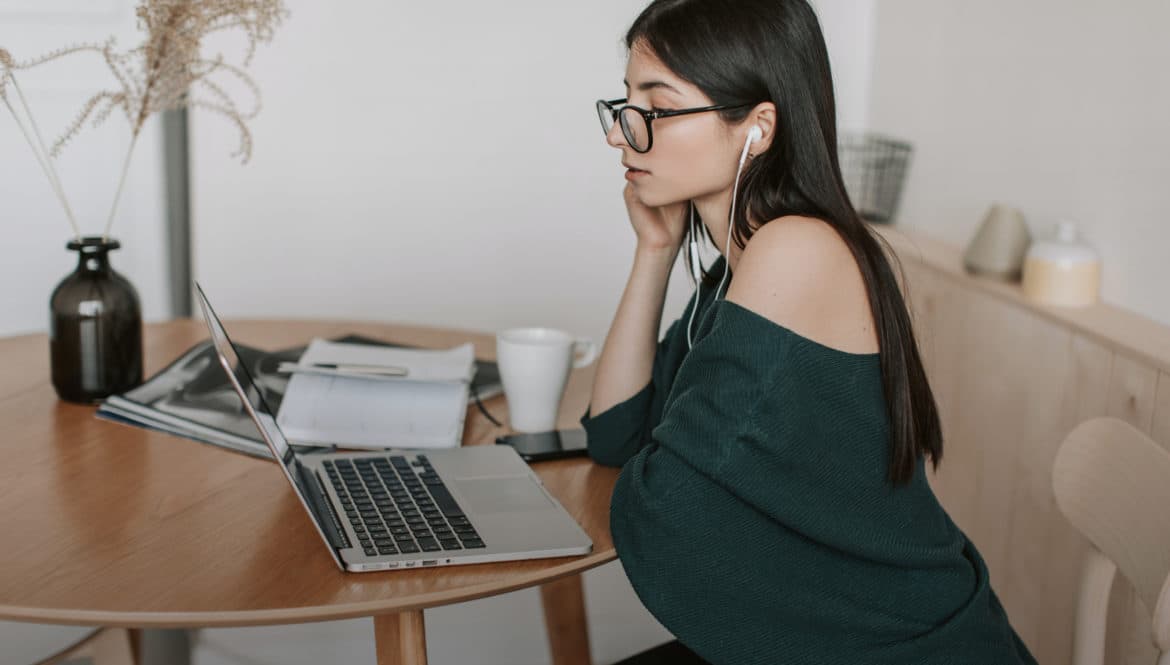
(553, 444)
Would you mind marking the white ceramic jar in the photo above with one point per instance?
(1062, 270)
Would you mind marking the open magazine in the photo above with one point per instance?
(193, 398)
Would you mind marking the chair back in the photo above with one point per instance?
(1112, 482)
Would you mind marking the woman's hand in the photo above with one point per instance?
(657, 228)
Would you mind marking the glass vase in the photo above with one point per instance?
(95, 327)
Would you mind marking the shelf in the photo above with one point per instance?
(1127, 332)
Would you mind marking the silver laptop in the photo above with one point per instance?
(379, 510)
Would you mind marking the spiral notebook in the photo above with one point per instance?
(424, 409)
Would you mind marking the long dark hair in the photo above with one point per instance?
(750, 51)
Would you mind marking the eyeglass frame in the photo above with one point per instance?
(648, 116)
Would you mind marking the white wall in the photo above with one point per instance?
(439, 164)
(35, 227)
(1059, 108)
(424, 163)
(848, 29)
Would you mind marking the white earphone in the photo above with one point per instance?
(754, 135)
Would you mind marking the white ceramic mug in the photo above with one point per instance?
(534, 368)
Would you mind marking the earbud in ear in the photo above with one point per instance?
(755, 134)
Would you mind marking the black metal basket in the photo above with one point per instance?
(874, 168)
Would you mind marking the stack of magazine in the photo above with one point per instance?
(193, 398)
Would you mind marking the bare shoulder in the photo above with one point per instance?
(799, 273)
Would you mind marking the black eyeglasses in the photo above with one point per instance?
(636, 121)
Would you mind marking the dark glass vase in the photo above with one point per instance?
(95, 328)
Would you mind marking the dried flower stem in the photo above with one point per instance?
(143, 112)
(39, 150)
(166, 71)
(121, 182)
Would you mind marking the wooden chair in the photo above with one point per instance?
(1112, 482)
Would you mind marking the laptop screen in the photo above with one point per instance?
(242, 378)
(257, 408)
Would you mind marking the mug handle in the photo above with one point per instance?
(588, 351)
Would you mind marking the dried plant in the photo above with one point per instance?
(166, 71)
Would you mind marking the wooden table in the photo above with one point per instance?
(111, 525)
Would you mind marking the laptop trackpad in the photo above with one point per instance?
(494, 495)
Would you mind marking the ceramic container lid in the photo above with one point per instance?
(1064, 248)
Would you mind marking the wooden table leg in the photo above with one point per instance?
(564, 618)
(400, 639)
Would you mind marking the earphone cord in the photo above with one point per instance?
(695, 272)
(482, 408)
(726, 247)
(731, 217)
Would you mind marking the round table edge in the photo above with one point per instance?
(268, 617)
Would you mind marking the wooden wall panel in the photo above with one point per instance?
(949, 307)
(1058, 562)
(1160, 429)
(922, 296)
(1131, 392)
(1010, 383)
(1066, 378)
(938, 308)
(1142, 651)
(1012, 379)
(993, 365)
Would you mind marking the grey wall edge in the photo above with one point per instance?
(178, 189)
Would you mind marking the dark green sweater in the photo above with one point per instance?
(754, 520)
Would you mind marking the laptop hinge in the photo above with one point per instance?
(322, 508)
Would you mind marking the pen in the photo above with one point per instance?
(376, 369)
(343, 369)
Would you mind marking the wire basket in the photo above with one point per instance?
(874, 168)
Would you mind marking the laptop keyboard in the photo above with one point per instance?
(396, 507)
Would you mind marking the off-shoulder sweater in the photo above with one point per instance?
(754, 518)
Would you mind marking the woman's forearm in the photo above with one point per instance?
(627, 356)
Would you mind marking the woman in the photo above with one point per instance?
(772, 505)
